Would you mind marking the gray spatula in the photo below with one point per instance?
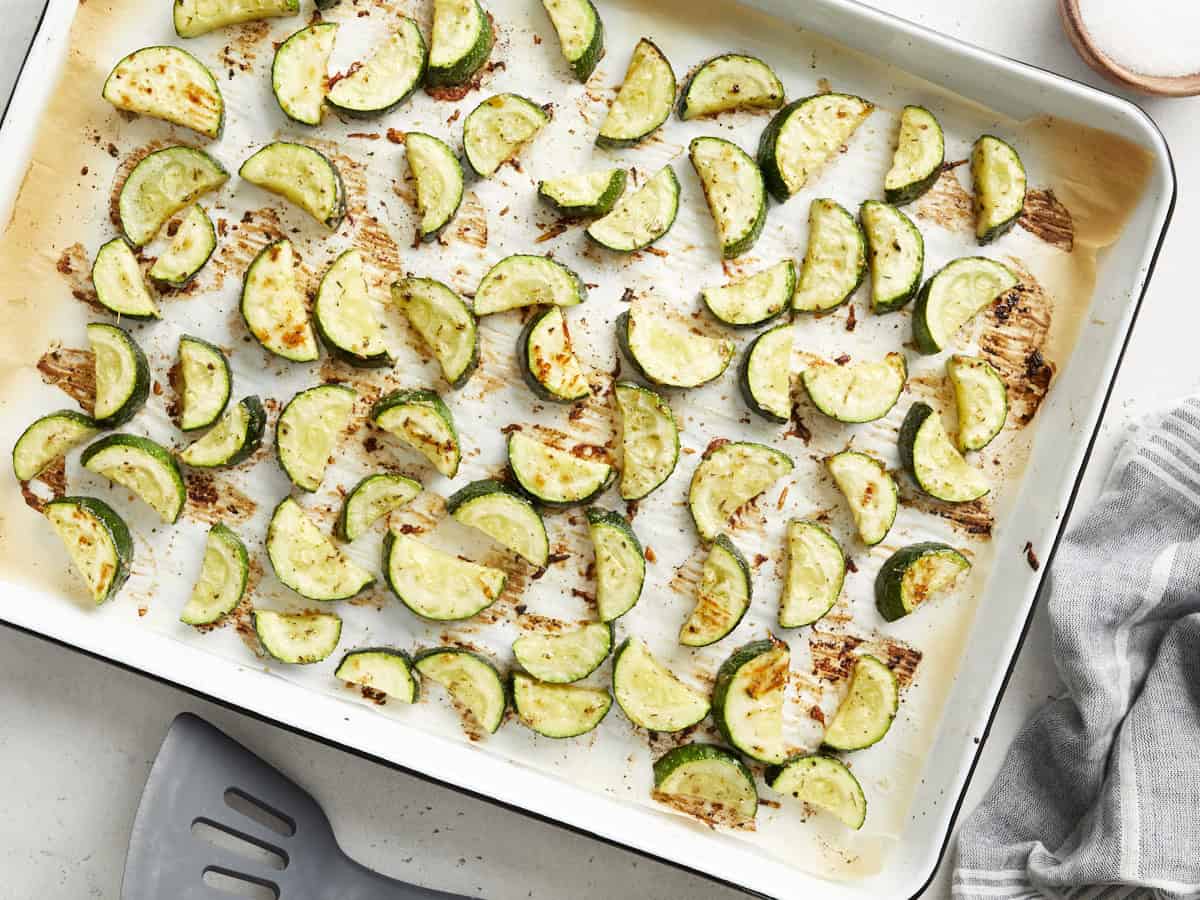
(213, 812)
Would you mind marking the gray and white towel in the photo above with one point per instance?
(1099, 795)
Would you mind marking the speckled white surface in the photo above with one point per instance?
(78, 736)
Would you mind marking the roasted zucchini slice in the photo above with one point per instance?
(97, 540)
(445, 323)
(836, 259)
(301, 175)
(558, 710)
(999, 180)
(896, 252)
(729, 82)
(191, 247)
(460, 43)
(471, 680)
(981, 398)
(733, 187)
(914, 574)
(644, 100)
(765, 376)
(306, 560)
(504, 516)
(196, 17)
(754, 300)
(729, 476)
(816, 568)
(167, 83)
(387, 78)
(870, 706)
(650, 695)
(580, 33)
(803, 136)
(823, 782)
(117, 278)
(553, 477)
(347, 319)
(934, 462)
(308, 431)
(122, 375)
(706, 779)
(526, 280)
(668, 352)
(748, 699)
(495, 131)
(222, 581)
(548, 363)
(589, 194)
(160, 185)
(144, 467)
(857, 391)
(917, 162)
(232, 440)
(641, 217)
(420, 419)
(439, 178)
(274, 306)
(954, 295)
(620, 565)
(437, 585)
(562, 654)
(372, 499)
(649, 440)
(297, 638)
(48, 439)
(382, 670)
(869, 490)
(205, 383)
(299, 72)
(722, 597)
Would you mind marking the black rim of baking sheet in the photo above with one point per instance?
(548, 820)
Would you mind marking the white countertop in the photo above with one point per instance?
(77, 736)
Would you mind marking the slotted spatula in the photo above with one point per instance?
(204, 781)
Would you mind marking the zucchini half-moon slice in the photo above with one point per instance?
(196, 17)
(97, 540)
(160, 185)
(299, 72)
(999, 177)
(273, 306)
(733, 187)
(167, 83)
(307, 560)
(644, 100)
(580, 33)
(117, 278)
(934, 462)
(495, 131)
(954, 295)
(729, 476)
(917, 162)
(668, 353)
(835, 261)
(640, 217)
(803, 136)
(347, 320)
(385, 80)
(144, 467)
(728, 82)
(445, 323)
(460, 43)
(439, 177)
(527, 280)
(301, 175)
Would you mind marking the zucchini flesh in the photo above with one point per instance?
(836, 259)
(372, 499)
(233, 440)
(649, 440)
(733, 187)
(526, 280)
(471, 681)
(460, 42)
(420, 419)
(309, 429)
(711, 777)
(385, 80)
(823, 782)
(504, 516)
(722, 597)
(547, 360)
(999, 179)
(196, 17)
(162, 184)
(748, 699)
(437, 585)
(897, 254)
(565, 654)
(816, 569)
(96, 539)
(444, 322)
(299, 72)
(122, 374)
(981, 398)
(301, 175)
(866, 714)
(870, 493)
(728, 477)
(934, 462)
(274, 307)
(117, 278)
(649, 694)
(49, 438)
(915, 574)
(856, 392)
(142, 466)
(558, 710)
(556, 477)
(495, 131)
(347, 319)
(206, 383)
(222, 581)
(167, 83)
(580, 33)
(954, 295)
(669, 353)
(590, 194)
(803, 136)
(640, 217)
(189, 250)
(620, 564)
(917, 162)
(297, 638)
(729, 82)
(754, 300)
(439, 178)
(644, 100)
(765, 378)
(381, 669)
(307, 561)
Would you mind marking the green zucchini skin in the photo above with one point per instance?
(585, 62)
(599, 519)
(913, 420)
(900, 194)
(745, 384)
(918, 414)
(923, 336)
(889, 581)
(600, 205)
(460, 70)
(117, 531)
(391, 655)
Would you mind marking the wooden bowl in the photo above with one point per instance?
(1162, 86)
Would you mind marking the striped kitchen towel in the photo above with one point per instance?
(1099, 795)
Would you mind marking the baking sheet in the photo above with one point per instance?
(61, 217)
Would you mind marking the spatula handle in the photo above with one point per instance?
(354, 881)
